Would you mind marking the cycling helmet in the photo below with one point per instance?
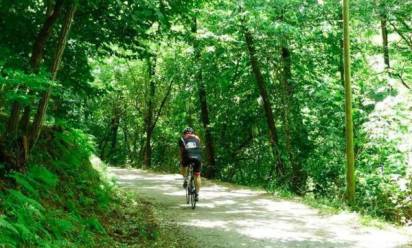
(188, 130)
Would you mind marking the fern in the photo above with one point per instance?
(15, 197)
(6, 240)
(24, 232)
(42, 175)
(23, 181)
(94, 224)
(59, 225)
(37, 178)
(39, 214)
(7, 226)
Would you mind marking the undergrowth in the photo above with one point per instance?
(62, 201)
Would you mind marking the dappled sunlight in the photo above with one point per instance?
(130, 177)
(206, 223)
(247, 218)
(292, 207)
(202, 204)
(270, 230)
(247, 211)
(176, 193)
(225, 202)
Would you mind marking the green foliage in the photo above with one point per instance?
(106, 85)
(314, 100)
(56, 202)
(385, 195)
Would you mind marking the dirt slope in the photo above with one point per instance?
(246, 218)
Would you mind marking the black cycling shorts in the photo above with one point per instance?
(197, 165)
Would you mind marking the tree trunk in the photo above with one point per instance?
(293, 136)
(105, 140)
(36, 57)
(133, 150)
(279, 165)
(142, 147)
(204, 111)
(350, 158)
(149, 114)
(114, 130)
(44, 34)
(25, 120)
(126, 142)
(103, 143)
(385, 43)
(49, 7)
(61, 45)
(211, 169)
(341, 63)
(13, 121)
(148, 150)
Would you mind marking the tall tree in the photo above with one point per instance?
(204, 111)
(44, 101)
(149, 112)
(292, 122)
(350, 157)
(115, 124)
(36, 56)
(384, 32)
(279, 167)
(153, 112)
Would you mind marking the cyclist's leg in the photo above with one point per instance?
(198, 180)
(183, 170)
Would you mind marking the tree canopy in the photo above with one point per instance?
(262, 82)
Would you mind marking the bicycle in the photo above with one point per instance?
(190, 188)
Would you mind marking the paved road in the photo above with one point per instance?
(227, 217)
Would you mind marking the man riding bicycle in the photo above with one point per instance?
(189, 147)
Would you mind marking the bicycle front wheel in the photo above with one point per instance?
(187, 194)
(193, 194)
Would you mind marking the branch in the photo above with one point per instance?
(404, 38)
(403, 23)
(399, 76)
(159, 111)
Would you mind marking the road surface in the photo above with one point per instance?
(242, 217)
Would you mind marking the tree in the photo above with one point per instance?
(204, 111)
(260, 81)
(384, 31)
(35, 61)
(149, 112)
(350, 157)
(44, 101)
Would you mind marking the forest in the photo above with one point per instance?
(305, 98)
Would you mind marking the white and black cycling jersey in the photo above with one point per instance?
(191, 145)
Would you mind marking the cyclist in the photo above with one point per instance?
(189, 151)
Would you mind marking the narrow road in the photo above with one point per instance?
(227, 217)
